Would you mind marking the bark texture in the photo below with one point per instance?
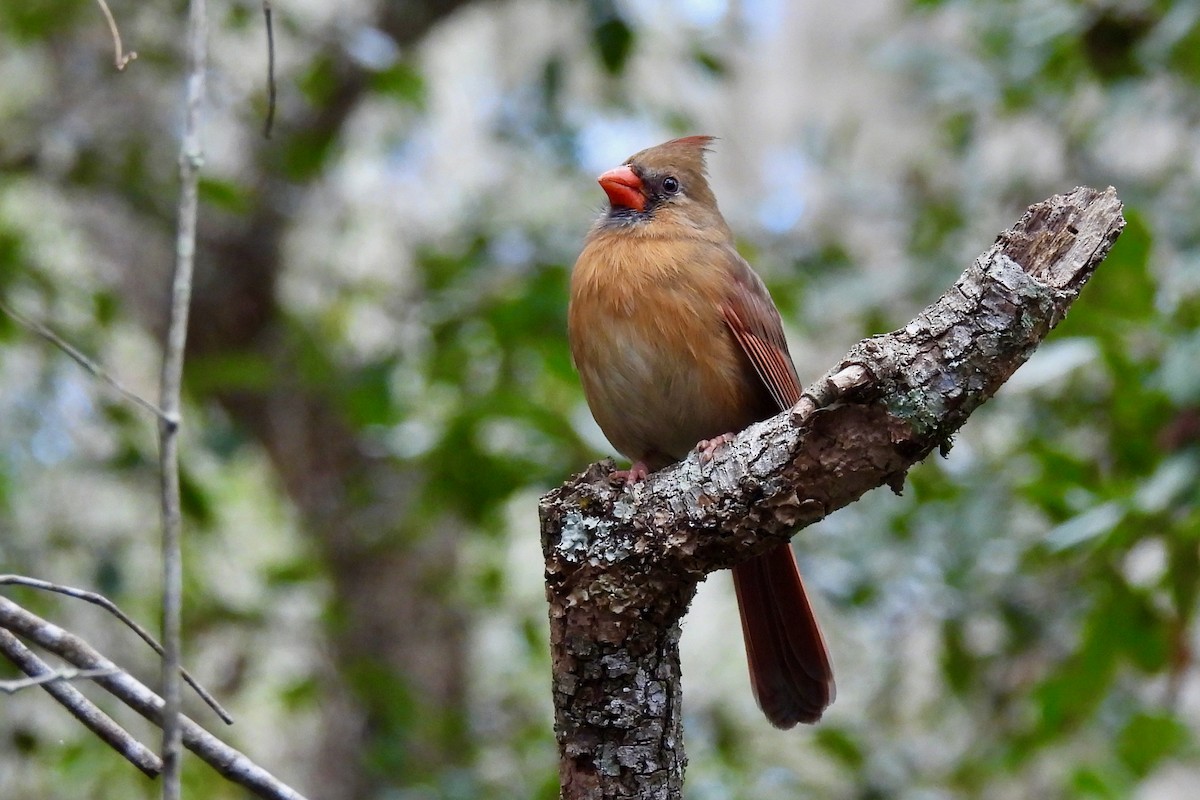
(623, 563)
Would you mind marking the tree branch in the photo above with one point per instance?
(54, 682)
(121, 58)
(108, 605)
(623, 563)
(229, 762)
(191, 156)
(93, 368)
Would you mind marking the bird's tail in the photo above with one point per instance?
(789, 664)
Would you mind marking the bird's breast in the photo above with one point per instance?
(658, 364)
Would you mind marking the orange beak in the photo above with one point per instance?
(624, 188)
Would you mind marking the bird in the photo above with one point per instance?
(678, 346)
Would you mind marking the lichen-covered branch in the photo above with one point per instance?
(622, 563)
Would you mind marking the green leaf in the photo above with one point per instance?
(612, 37)
(104, 307)
(195, 501)
(1147, 739)
(301, 569)
(319, 82)
(1116, 625)
(1184, 57)
(1133, 623)
(958, 664)
(12, 255)
(842, 746)
(229, 372)
(402, 81)
(1090, 782)
(1183, 573)
(302, 694)
(225, 195)
(37, 20)
(934, 222)
(712, 63)
(305, 154)
(368, 398)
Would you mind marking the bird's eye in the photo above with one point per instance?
(670, 184)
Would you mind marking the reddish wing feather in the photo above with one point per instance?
(755, 324)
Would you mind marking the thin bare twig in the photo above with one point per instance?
(84, 710)
(121, 58)
(270, 123)
(190, 159)
(112, 608)
(53, 676)
(98, 372)
(229, 762)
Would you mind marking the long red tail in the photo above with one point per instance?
(789, 665)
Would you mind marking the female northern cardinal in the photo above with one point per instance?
(678, 345)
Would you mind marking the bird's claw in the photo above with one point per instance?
(707, 448)
(636, 473)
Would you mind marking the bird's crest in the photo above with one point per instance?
(699, 142)
(686, 151)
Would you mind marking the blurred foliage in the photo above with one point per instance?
(1020, 623)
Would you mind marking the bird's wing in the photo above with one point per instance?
(755, 323)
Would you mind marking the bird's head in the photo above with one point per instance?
(666, 183)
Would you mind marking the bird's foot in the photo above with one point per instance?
(636, 473)
(707, 448)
